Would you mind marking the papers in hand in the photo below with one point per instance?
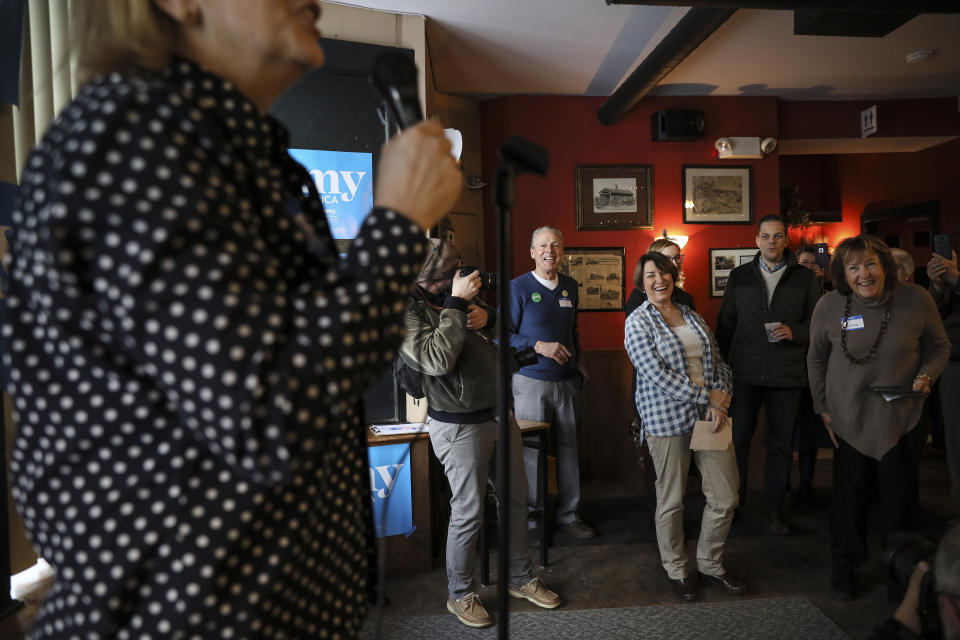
(704, 439)
(399, 429)
(893, 393)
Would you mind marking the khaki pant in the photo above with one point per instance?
(718, 470)
(466, 452)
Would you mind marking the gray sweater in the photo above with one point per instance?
(914, 343)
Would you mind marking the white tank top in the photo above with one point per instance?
(694, 350)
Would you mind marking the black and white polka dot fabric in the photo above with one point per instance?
(187, 353)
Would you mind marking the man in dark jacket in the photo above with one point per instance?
(448, 340)
(763, 330)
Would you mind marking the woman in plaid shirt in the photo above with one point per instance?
(681, 379)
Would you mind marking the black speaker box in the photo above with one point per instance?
(672, 125)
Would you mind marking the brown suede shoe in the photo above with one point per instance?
(469, 610)
(535, 592)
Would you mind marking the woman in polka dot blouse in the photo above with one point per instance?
(186, 347)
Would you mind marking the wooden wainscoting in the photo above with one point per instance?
(606, 446)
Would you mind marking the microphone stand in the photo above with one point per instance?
(517, 155)
(504, 197)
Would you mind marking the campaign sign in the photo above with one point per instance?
(344, 180)
(391, 489)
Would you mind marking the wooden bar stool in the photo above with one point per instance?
(534, 435)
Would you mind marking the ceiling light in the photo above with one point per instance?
(680, 240)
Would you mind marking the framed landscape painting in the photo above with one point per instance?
(722, 262)
(717, 195)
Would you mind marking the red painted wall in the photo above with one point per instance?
(567, 127)
(883, 181)
(902, 178)
(841, 119)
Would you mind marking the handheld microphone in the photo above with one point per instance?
(395, 77)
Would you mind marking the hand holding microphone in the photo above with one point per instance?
(418, 177)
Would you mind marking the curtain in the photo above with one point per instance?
(48, 81)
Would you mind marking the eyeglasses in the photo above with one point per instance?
(678, 259)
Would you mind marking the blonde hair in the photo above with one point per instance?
(904, 262)
(120, 35)
(660, 244)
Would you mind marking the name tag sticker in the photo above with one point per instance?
(851, 323)
(566, 303)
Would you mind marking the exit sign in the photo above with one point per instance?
(868, 121)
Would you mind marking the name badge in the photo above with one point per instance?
(851, 323)
(566, 303)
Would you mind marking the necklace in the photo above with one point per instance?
(884, 320)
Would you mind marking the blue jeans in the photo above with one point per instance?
(780, 404)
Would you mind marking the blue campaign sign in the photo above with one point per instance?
(345, 182)
(391, 489)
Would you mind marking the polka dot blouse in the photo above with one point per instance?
(188, 352)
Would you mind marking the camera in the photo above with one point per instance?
(488, 280)
(904, 550)
(516, 359)
(524, 357)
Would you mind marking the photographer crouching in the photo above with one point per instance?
(448, 341)
(931, 607)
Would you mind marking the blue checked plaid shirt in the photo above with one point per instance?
(668, 401)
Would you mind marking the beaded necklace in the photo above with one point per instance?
(884, 320)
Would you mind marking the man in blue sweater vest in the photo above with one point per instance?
(543, 315)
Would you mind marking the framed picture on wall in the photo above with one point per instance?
(717, 195)
(614, 197)
(600, 275)
(722, 262)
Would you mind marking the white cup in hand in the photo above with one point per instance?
(770, 328)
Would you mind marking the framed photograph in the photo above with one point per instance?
(722, 262)
(614, 197)
(717, 195)
(600, 275)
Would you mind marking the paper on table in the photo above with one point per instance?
(704, 439)
(399, 429)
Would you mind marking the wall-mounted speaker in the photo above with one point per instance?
(676, 125)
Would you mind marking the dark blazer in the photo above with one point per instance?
(743, 312)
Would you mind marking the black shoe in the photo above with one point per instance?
(843, 580)
(806, 496)
(775, 522)
(730, 584)
(579, 529)
(684, 589)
